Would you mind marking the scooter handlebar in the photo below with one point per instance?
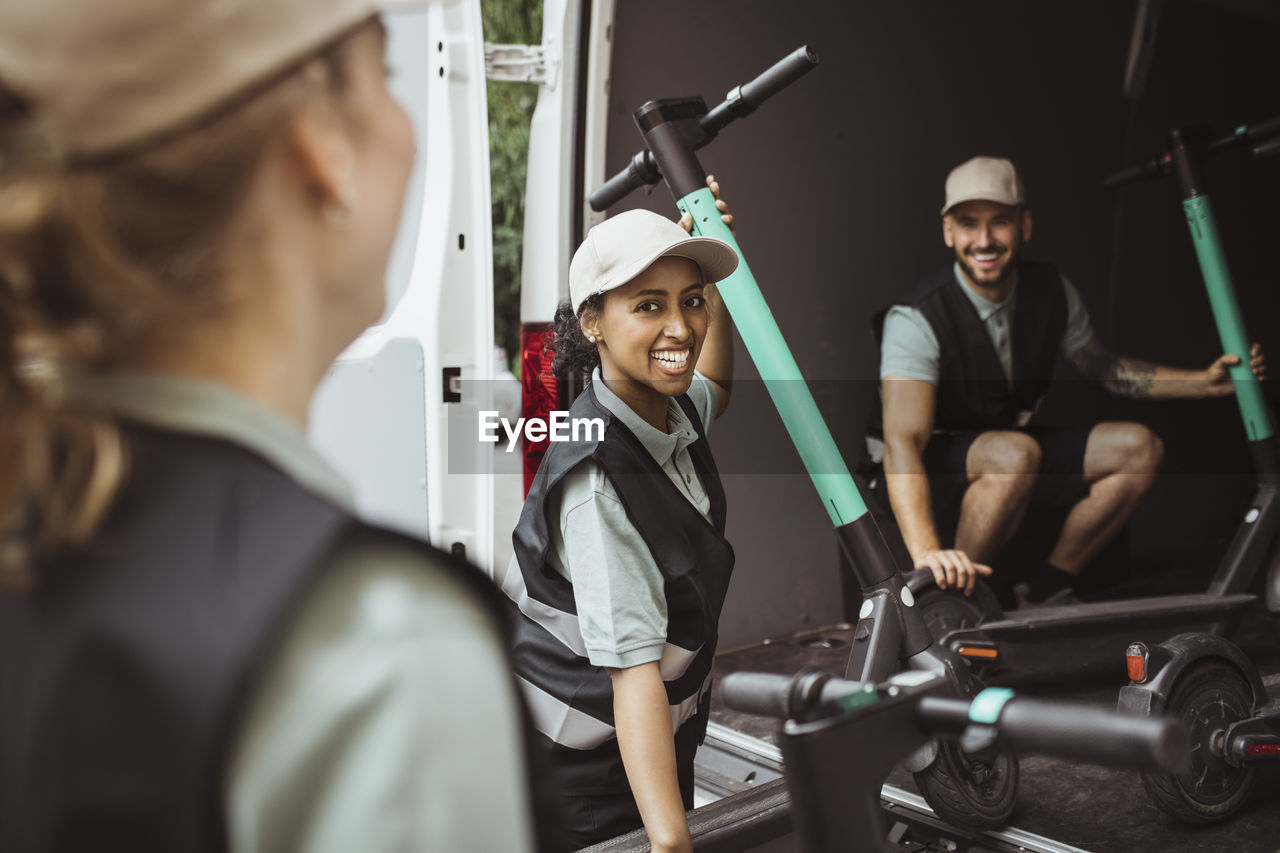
(1257, 133)
(1147, 171)
(780, 75)
(786, 696)
(741, 101)
(761, 693)
(1022, 725)
(1260, 131)
(642, 170)
(1076, 733)
(1264, 136)
(1270, 148)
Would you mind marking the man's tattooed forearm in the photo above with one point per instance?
(1131, 377)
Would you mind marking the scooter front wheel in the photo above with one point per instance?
(945, 610)
(1210, 696)
(967, 792)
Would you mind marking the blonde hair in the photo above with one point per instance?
(94, 259)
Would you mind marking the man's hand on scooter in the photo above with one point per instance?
(952, 569)
(1218, 374)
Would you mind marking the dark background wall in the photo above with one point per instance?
(837, 182)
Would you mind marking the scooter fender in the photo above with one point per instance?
(921, 758)
(1167, 661)
(919, 580)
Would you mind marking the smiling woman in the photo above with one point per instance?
(621, 564)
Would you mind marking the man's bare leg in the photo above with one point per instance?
(1121, 462)
(1002, 469)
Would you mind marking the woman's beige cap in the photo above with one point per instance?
(620, 248)
(105, 75)
(984, 179)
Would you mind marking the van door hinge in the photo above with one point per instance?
(520, 63)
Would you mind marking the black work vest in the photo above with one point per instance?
(570, 699)
(125, 672)
(973, 391)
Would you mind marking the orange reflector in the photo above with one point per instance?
(1135, 661)
(977, 652)
(1137, 667)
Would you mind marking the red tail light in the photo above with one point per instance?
(538, 389)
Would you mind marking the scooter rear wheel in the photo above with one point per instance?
(968, 793)
(1210, 696)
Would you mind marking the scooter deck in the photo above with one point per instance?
(1066, 642)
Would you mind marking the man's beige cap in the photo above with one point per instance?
(984, 179)
(100, 76)
(620, 248)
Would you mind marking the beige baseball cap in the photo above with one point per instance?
(100, 76)
(984, 179)
(620, 248)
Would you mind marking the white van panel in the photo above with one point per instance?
(373, 415)
(439, 306)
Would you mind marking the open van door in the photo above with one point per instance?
(566, 159)
(566, 156)
(397, 413)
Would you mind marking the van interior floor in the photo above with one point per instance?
(1088, 807)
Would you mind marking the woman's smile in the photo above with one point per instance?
(673, 362)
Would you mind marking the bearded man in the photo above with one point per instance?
(966, 358)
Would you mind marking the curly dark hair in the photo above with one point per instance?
(574, 354)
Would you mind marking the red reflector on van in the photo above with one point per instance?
(538, 390)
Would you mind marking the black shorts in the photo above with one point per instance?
(1060, 484)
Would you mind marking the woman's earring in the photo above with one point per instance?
(593, 338)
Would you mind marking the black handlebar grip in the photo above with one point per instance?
(1260, 131)
(1270, 148)
(1256, 133)
(743, 100)
(762, 693)
(779, 76)
(640, 171)
(1141, 172)
(1094, 735)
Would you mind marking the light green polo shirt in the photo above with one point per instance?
(618, 588)
(386, 720)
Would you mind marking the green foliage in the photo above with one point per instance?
(510, 110)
